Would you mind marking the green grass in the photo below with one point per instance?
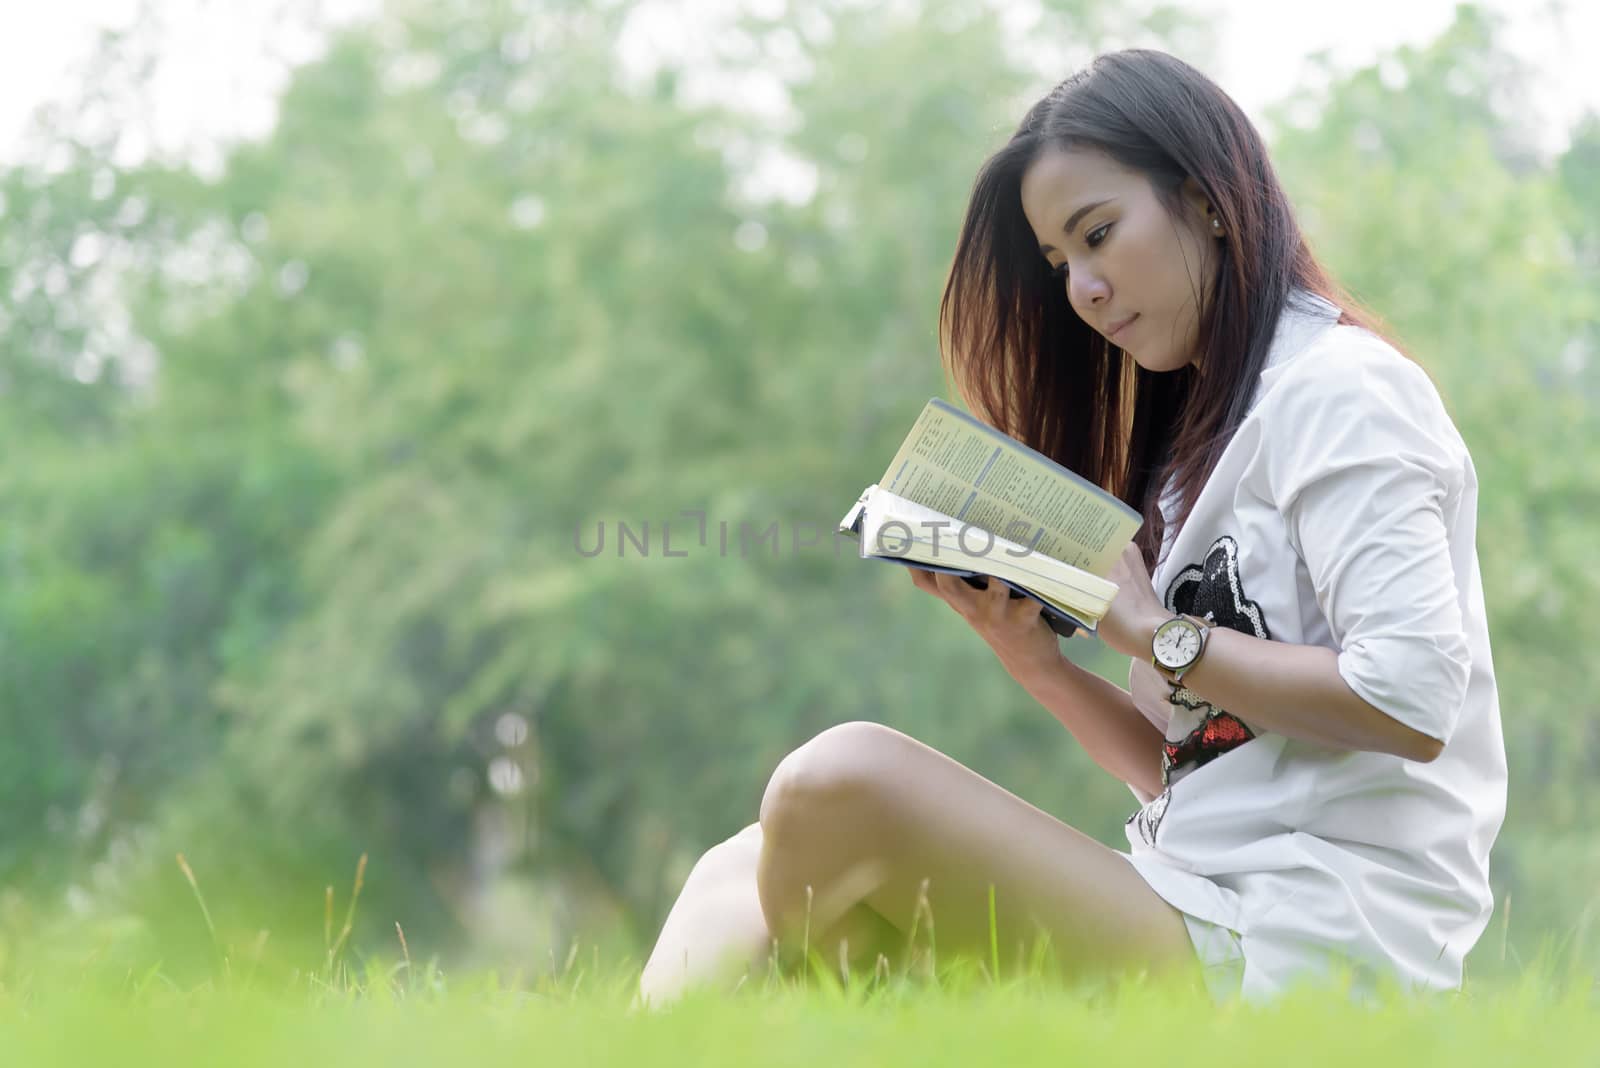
(379, 1020)
(386, 1007)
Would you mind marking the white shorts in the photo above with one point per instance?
(1221, 956)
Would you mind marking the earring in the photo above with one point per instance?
(1216, 226)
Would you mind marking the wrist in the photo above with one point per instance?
(1032, 672)
(1178, 645)
(1141, 635)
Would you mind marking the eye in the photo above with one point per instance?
(1095, 239)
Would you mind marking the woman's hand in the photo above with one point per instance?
(1014, 628)
(1135, 613)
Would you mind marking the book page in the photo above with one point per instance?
(894, 526)
(957, 465)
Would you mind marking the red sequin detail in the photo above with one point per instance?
(1217, 735)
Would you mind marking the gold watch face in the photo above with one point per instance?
(1177, 644)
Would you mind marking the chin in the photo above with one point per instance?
(1160, 363)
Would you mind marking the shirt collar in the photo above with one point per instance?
(1304, 316)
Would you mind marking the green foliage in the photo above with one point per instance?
(307, 586)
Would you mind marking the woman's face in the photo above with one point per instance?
(1126, 259)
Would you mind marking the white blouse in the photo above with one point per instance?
(1343, 514)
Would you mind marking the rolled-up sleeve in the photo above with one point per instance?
(1367, 471)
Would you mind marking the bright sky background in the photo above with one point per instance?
(224, 59)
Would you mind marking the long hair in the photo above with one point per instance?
(1025, 362)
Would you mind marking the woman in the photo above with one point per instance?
(1310, 726)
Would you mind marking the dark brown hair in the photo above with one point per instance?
(1022, 358)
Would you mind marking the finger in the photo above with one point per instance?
(1025, 610)
(992, 600)
(961, 597)
(928, 581)
(1012, 603)
(1025, 606)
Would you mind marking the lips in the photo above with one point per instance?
(1117, 328)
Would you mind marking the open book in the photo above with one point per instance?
(961, 497)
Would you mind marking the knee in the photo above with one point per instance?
(731, 859)
(839, 764)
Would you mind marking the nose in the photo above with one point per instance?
(1087, 290)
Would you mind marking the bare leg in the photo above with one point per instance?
(715, 933)
(865, 814)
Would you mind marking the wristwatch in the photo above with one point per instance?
(1177, 647)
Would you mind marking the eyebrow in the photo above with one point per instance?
(1072, 220)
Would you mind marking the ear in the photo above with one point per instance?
(1195, 199)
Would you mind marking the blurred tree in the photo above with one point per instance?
(299, 560)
